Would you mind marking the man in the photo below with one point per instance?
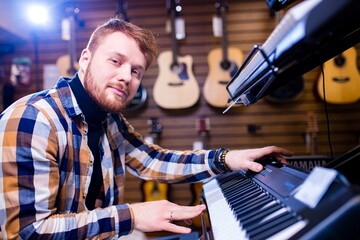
(64, 151)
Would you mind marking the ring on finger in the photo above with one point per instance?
(171, 216)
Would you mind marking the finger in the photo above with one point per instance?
(185, 213)
(272, 150)
(283, 151)
(188, 221)
(179, 208)
(177, 229)
(254, 166)
(281, 159)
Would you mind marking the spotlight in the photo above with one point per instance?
(38, 14)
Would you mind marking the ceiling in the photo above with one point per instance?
(14, 27)
(11, 22)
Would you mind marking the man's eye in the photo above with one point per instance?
(115, 61)
(136, 72)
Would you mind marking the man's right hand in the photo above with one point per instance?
(159, 216)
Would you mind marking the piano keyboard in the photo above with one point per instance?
(262, 207)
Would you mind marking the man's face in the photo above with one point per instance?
(114, 72)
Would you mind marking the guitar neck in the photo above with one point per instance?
(203, 127)
(312, 133)
(204, 137)
(121, 11)
(72, 45)
(155, 138)
(174, 45)
(224, 34)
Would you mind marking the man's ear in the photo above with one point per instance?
(84, 59)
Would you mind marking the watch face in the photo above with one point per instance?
(21, 71)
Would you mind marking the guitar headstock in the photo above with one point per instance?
(173, 7)
(154, 127)
(221, 5)
(311, 139)
(312, 123)
(68, 64)
(203, 125)
(121, 10)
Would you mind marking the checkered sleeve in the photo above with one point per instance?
(152, 162)
(30, 181)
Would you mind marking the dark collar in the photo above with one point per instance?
(93, 113)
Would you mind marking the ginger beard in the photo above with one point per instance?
(106, 101)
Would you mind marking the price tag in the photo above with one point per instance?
(315, 186)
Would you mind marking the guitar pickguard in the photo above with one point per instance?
(181, 70)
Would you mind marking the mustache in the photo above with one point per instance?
(122, 87)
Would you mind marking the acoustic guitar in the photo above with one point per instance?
(68, 64)
(151, 190)
(294, 88)
(223, 62)
(203, 128)
(175, 86)
(140, 97)
(341, 79)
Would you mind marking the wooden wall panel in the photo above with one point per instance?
(249, 23)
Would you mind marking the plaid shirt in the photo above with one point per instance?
(46, 167)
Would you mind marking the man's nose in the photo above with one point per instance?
(124, 73)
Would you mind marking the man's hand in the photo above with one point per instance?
(244, 159)
(159, 215)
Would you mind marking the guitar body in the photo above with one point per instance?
(342, 79)
(215, 92)
(153, 191)
(64, 65)
(175, 88)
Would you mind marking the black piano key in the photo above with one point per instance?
(245, 210)
(232, 182)
(240, 188)
(276, 229)
(271, 223)
(238, 194)
(248, 201)
(235, 190)
(242, 199)
(241, 193)
(231, 178)
(251, 205)
(236, 187)
(228, 177)
(259, 214)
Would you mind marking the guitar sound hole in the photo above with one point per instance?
(225, 64)
(339, 60)
(175, 67)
